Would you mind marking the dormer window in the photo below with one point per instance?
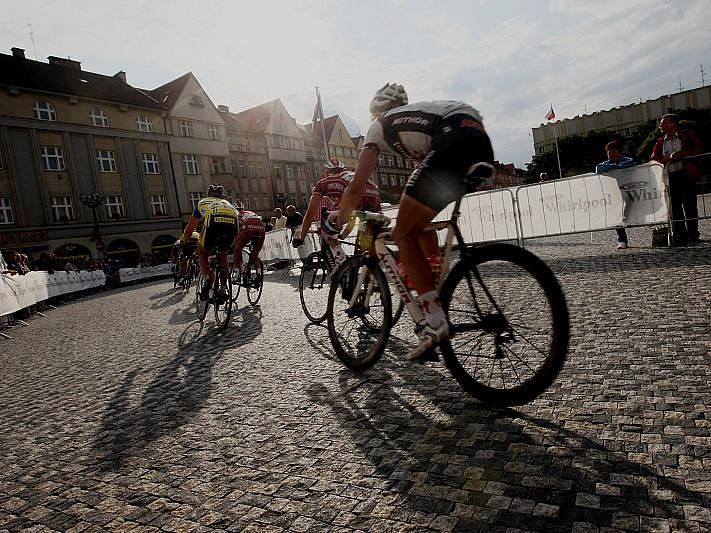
(196, 99)
(44, 111)
(99, 118)
(143, 123)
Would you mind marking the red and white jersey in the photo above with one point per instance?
(249, 220)
(331, 187)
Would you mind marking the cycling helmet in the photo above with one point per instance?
(389, 96)
(334, 165)
(216, 191)
(195, 235)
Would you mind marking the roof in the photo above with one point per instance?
(231, 121)
(328, 124)
(256, 119)
(46, 77)
(168, 93)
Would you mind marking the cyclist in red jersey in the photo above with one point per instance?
(251, 229)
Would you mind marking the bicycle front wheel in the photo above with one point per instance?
(222, 297)
(255, 280)
(359, 313)
(314, 283)
(509, 322)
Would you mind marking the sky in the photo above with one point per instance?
(510, 59)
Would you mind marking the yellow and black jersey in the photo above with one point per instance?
(216, 214)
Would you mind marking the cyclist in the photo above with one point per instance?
(324, 199)
(180, 253)
(446, 139)
(251, 228)
(219, 229)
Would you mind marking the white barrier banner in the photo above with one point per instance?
(133, 274)
(627, 197)
(18, 292)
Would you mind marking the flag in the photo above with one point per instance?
(551, 114)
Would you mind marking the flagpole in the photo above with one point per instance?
(323, 128)
(557, 153)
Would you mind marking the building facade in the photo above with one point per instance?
(250, 164)
(66, 133)
(340, 143)
(198, 141)
(622, 121)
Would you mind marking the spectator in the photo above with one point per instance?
(279, 219)
(3, 265)
(14, 263)
(47, 262)
(616, 161)
(543, 177)
(670, 150)
(70, 267)
(293, 218)
(269, 224)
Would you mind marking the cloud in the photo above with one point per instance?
(509, 59)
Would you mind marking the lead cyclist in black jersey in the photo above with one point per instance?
(446, 139)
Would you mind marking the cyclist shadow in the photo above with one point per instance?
(317, 336)
(457, 451)
(177, 392)
(175, 296)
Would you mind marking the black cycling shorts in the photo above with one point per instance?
(439, 179)
(220, 237)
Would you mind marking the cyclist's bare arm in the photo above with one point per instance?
(192, 224)
(311, 213)
(351, 197)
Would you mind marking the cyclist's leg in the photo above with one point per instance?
(257, 243)
(239, 246)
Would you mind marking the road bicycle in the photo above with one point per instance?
(508, 318)
(220, 293)
(315, 281)
(252, 278)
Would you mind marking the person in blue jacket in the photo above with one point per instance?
(615, 161)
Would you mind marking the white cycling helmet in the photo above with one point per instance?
(389, 96)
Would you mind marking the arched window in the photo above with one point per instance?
(143, 123)
(99, 118)
(44, 111)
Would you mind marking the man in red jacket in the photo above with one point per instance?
(671, 150)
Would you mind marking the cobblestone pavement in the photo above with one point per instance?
(117, 412)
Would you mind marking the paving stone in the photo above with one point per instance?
(117, 411)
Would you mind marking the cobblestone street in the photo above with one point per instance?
(117, 411)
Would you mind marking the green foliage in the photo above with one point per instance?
(580, 153)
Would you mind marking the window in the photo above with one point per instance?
(384, 180)
(252, 169)
(213, 131)
(289, 173)
(402, 180)
(105, 161)
(260, 169)
(217, 165)
(5, 211)
(52, 158)
(242, 168)
(99, 118)
(393, 179)
(62, 210)
(398, 162)
(44, 111)
(381, 160)
(191, 165)
(277, 171)
(150, 164)
(185, 129)
(158, 205)
(143, 123)
(196, 99)
(114, 206)
(195, 197)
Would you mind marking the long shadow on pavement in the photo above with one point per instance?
(178, 391)
(494, 469)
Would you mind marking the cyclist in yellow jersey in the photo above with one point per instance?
(219, 229)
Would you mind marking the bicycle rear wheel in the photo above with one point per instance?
(359, 333)
(314, 283)
(222, 297)
(254, 280)
(509, 322)
(201, 305)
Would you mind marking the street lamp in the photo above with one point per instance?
(93, 201)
